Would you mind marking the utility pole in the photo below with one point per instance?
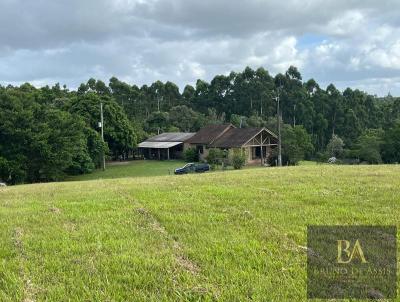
(278, 115)
(159, 99)
(102, 135)
(294, 115)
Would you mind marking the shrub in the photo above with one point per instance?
(191, 155)
(391, 144)
(214, 157)
(296, 146)
(368, 146)
(238, 159)
(335, 147)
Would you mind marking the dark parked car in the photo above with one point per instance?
(192, 167)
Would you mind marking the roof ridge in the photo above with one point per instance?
(227, 128)
(238, 137)
(209, 133)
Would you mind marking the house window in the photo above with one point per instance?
(200, 149)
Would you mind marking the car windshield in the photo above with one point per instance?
(188, 165)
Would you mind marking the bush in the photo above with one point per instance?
(238, 159)
(191, 155)
(215, 157)
(391, 144)
(296, 146)
(321, 157)
(335, 147)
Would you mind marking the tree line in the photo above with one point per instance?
(50, 132)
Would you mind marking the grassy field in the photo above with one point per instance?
(141, 168)
(136, 168)
(233, 236)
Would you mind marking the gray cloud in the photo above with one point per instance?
(350, 43)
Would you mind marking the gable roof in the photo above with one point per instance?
(237, 137)
(209, 134)
(171, 137)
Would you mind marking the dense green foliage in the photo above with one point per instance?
(238, 159)
(248, 99)
(191, 155)
(335, 146)
(391, 144)
(118, 131)
(48, 132)
(215, 157)
(296, 144)
(369, 146)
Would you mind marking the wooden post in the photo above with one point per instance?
(279, 135)
(102, 135)
(159, 156)
(168, 153)
(262, 152)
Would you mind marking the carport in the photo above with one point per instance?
(164, 146)
(160, 150)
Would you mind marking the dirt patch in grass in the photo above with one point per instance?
(181, 259)
(18, 233)
(69, 226)
(55, 210)
(29, 289)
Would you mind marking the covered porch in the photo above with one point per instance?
(257, 157)
(259, 148)
(161, 150)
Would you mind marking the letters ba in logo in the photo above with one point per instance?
(345, 249)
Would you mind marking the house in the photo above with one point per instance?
(256, 142)
(164, 146)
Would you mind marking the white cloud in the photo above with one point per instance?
(388, 57)
(356, 43)
(348, 24)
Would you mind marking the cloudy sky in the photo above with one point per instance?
(346, 42)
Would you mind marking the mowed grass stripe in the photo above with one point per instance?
(247, 228)
(244, 232)
(89, 244)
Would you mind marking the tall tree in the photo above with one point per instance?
(118, 131)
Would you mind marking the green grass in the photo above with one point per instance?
(135, 168)
(307, 163)
(140, 168)
(233, 236)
